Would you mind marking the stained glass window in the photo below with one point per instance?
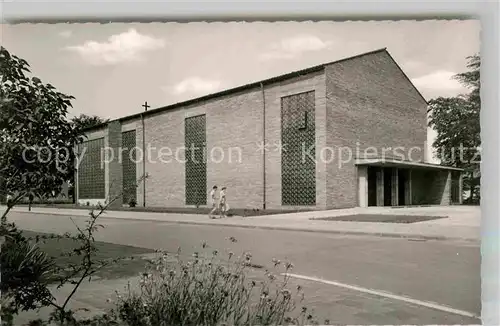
(196, 165)
(298, 166)
(91, 171)
(129, 166)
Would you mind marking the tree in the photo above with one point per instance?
(35, 138)
(36, 156)
(35, 135)
(456, 121)
(84, 121)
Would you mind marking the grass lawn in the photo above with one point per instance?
(123, 268)
(380, 218)
(180, 210)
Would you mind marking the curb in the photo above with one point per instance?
(347, 232)
(408, 236)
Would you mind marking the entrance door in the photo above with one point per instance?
(372, 186)
(403, 179)
(387, 187)
(455, 187)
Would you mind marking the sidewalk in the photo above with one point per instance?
(463, 222)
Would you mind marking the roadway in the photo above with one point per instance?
(349, 279)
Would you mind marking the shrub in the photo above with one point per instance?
(204, 290)
(132, 202)
(208, 290)
(26, 273)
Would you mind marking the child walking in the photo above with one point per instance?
(223, 203)
(214, 202)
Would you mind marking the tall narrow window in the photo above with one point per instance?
(196, 165)
(91, 170)
(298, 171)
(129, 166)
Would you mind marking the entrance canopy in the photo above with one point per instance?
(395, 163)
(394, 182)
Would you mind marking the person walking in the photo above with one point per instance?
(214, 202)
(30, 199)
(223, 203)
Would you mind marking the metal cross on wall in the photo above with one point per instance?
(145, 106)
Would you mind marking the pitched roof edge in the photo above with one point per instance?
(271, 80)
(406, 77)
(97, 127)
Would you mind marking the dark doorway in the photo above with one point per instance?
(387, 187)
(372, 186)
(403, 179)
(455, 187)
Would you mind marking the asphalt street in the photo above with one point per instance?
(446, 273)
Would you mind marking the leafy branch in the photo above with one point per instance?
(88, 265)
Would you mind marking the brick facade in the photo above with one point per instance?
(370, 103)
(274, 93)
(361, 102)
(234, 130)
(114, 160)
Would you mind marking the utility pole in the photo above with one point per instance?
(145, 106)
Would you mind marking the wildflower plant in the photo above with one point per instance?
(211, 288)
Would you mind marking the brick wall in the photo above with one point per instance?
(274, 93)
(431, 187)
(234, 129)
(362, 102)
(139, 169)
(115, 185)
(369, 103)
(440, 188)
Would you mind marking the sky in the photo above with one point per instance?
(112, 69)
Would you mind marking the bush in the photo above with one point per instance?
(132, 202)
(205, 290)
(210, 291)
(26, 274)
(49, 201)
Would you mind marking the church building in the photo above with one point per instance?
(347, 133)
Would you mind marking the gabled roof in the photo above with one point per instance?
(260, 83)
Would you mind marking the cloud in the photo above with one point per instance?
(439, 83)
(292, 47)
(438, 80)
(196, 85)
(128, 46)
(65, 34)
(413, 67)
